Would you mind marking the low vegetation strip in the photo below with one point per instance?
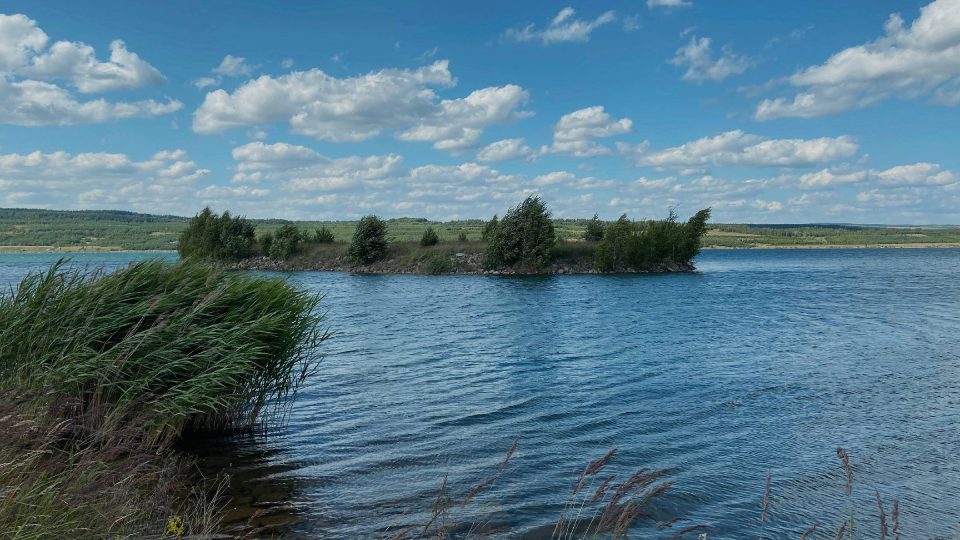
(105, 230)
(524, 241)
(110, 370)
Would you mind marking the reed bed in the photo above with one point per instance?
(100, 373)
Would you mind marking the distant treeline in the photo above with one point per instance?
(523, 240)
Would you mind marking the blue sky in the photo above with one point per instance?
(769, 112)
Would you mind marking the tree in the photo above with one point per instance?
(429, 237)
(594, 231)
(217, 237)
(369, 243)
(524, 237)
(489, 227)
(323, 235)
(287, 242)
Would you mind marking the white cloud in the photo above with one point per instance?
(668, 3)
(504, 150)
(164, 183)
(736, 148)
(563, 28)
(36, 103)
(301, 168)
(930, 174)
(233, 66)
(922, 60)
(77, 63)
(697, 57)
(551, 178)
(287, 63)
(29, 95)
(575, 132)
(359, 108)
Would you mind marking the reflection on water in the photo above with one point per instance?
(763, 361)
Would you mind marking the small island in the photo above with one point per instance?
(523, 242)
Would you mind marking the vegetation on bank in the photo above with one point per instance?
(523, 241)
(96, 230)
(101, 374)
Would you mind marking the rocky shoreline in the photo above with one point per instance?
(459, 264)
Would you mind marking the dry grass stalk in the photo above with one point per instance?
(809, 531)
(883, 517)
(845, 458)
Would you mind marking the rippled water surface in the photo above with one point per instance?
(760, 361)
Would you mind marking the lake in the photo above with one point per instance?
(761, 361)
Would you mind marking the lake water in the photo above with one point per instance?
(762, 361)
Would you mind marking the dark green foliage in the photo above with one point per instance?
(217, 237)
(489, 227)
(594, 230)
(287, 242)
(642, 245)
(369, 242)
(323, 235)
(429, 237)
(524, 237)
(265, 243)
(176, 347)
(438, 264)
(462, 236)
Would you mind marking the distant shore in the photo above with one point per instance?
(72, 250)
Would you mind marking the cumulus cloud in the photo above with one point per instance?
(230, 66)
(668, 3)
(164, 183)
(922, 60)
(504, 150)
(358, 108)
(575, 132)
(736, 148)
(30, 72)
(701, 64)
(564, 27)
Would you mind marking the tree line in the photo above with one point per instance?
(523, 239)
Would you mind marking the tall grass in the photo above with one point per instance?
(183, 347)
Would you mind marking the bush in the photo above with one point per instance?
(215, 237)
(642, 245)
(323, 235)
(524, 237)
(594, 230)
(488, 228)
(429, 237)
(462, 237)
(265, 243)
(369, 242)
(287, 242)
(165, 347)
(438, 264)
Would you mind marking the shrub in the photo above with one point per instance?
(462, 237)
(438, 264)
(488, 228)
(369, 242)
(265, 242)
(323, 235)
(162, 347)
(629, 245)
(217, 237)
(429, 237)
(524, 237)
(287, 242)
(594, 230)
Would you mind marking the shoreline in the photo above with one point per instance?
(9, 250)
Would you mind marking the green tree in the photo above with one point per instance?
(429, 237)
(217, 237)
(489, 227)
(287, 242)
(323, 235)
(594, 230)
(369, 243)
(524, 237)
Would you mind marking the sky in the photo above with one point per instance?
(767, 112)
